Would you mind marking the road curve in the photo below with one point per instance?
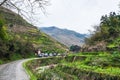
(13, 71)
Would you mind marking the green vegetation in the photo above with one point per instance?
(99, 59)
(75, 48)
(32, 77)
(93, 66)
(107, 31)
(32, 65)
(3, 31)
(19, 39)
(56, 74)
(12, 18)
(10, 47)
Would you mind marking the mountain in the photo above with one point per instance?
(65, 36)
(20, 38)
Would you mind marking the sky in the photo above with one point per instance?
(77, 15)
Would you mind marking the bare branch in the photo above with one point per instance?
(2, 2)
(27, 8)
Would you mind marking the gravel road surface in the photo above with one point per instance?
(13, 71)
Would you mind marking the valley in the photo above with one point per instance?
(29, 51)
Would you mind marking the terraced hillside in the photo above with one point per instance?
(82, 66)
(23, 38)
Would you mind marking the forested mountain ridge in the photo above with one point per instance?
(65, 36)
(19, 39)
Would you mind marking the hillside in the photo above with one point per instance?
(65, 36)
(81, 66)
(106, 36)
(23, 38)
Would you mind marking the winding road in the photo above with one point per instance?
(13, 71)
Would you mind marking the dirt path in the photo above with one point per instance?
(13, 71)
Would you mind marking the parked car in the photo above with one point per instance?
(54, 54)
(40, 55)
(46, 55)
(58, 54)
(50, 54)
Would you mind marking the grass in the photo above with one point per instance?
(56, 74)
(1, 62)
(101, 63)
(108, 70)
(32, 76)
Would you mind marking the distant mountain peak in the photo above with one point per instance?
(53, 27)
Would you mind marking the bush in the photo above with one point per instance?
(1, 62)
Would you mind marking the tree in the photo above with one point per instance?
(26, 8)
(107, 30)
(111, 24)
(75, 48)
